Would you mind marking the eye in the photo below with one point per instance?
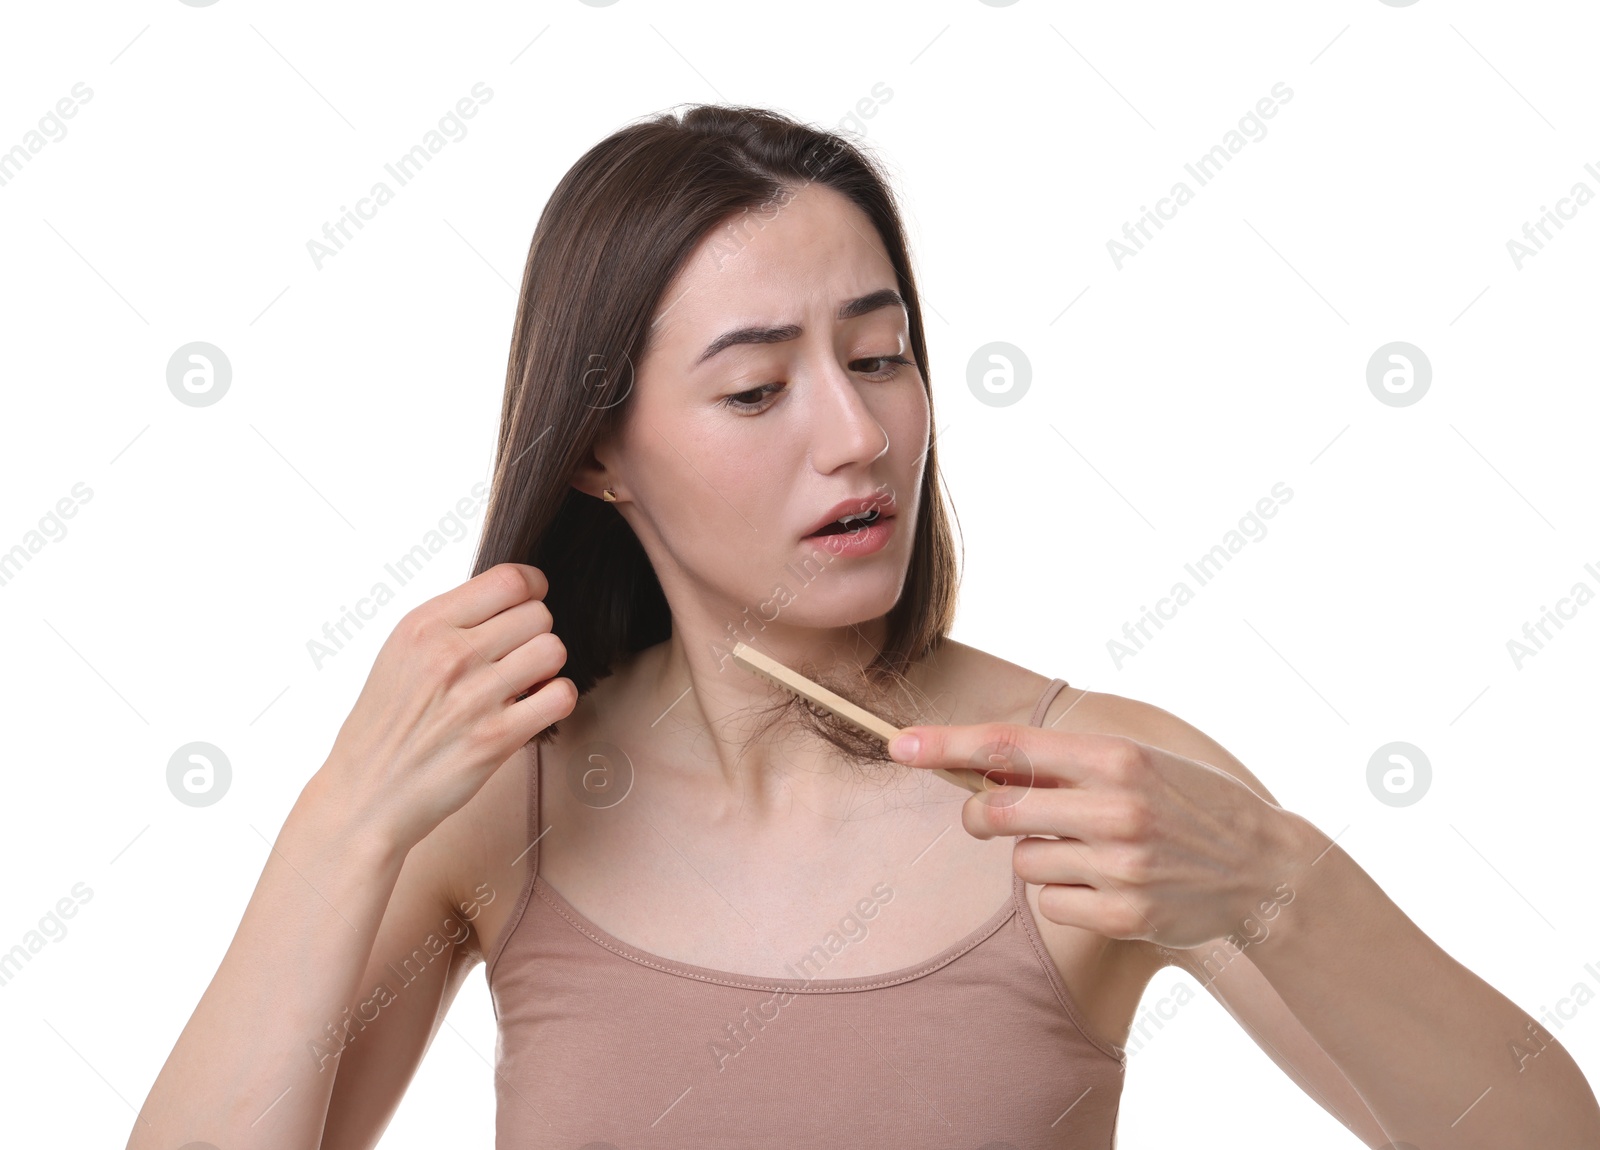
(887, 373)
(740, 402)
(754, 399)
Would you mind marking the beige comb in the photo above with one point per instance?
(791, 680)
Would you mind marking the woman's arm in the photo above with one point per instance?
(1163, 836)
(245, 1072)
(1439, 1056)
(453, 694)
(1226, 973)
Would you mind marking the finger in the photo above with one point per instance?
(1102, 911)
(490, 592)
(530, 665)
(494, 638)
(1070, 865)
(1068, 812)
(1067, 862)
(1031, 753)
(551, 703)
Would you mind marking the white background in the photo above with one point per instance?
(1168, 398)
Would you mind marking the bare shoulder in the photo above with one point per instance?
(1102, 713)
(967, 685)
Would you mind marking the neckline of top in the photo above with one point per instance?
(595, 933)
(584, 925)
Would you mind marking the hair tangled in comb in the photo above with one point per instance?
(881, 689)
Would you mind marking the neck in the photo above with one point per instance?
(693, 697)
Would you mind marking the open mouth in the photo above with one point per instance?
(850, 524)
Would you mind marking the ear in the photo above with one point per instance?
(592, 476)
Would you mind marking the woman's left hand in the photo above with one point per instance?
(1151, 845)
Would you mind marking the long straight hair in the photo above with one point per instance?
(618, 228)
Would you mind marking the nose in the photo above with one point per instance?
(844, 429)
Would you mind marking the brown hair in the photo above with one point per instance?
(617, 229)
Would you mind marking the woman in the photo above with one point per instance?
(710, 914)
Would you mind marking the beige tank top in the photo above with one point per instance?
(603, 1046)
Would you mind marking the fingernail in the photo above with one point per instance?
(903, 748)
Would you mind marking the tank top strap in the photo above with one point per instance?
(531, 851)
(1049, 696)
(535, 831)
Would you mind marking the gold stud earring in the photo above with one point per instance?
(609, 495)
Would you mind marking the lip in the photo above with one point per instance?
(860, 542)
(884, 503)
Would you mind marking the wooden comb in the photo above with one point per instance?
(859, 717)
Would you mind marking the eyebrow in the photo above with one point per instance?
(872, 301)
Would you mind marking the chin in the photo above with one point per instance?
(838, 611)
(824, 598)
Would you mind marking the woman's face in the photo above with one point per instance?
(734, 449)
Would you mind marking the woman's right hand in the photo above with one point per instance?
(440, 712)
